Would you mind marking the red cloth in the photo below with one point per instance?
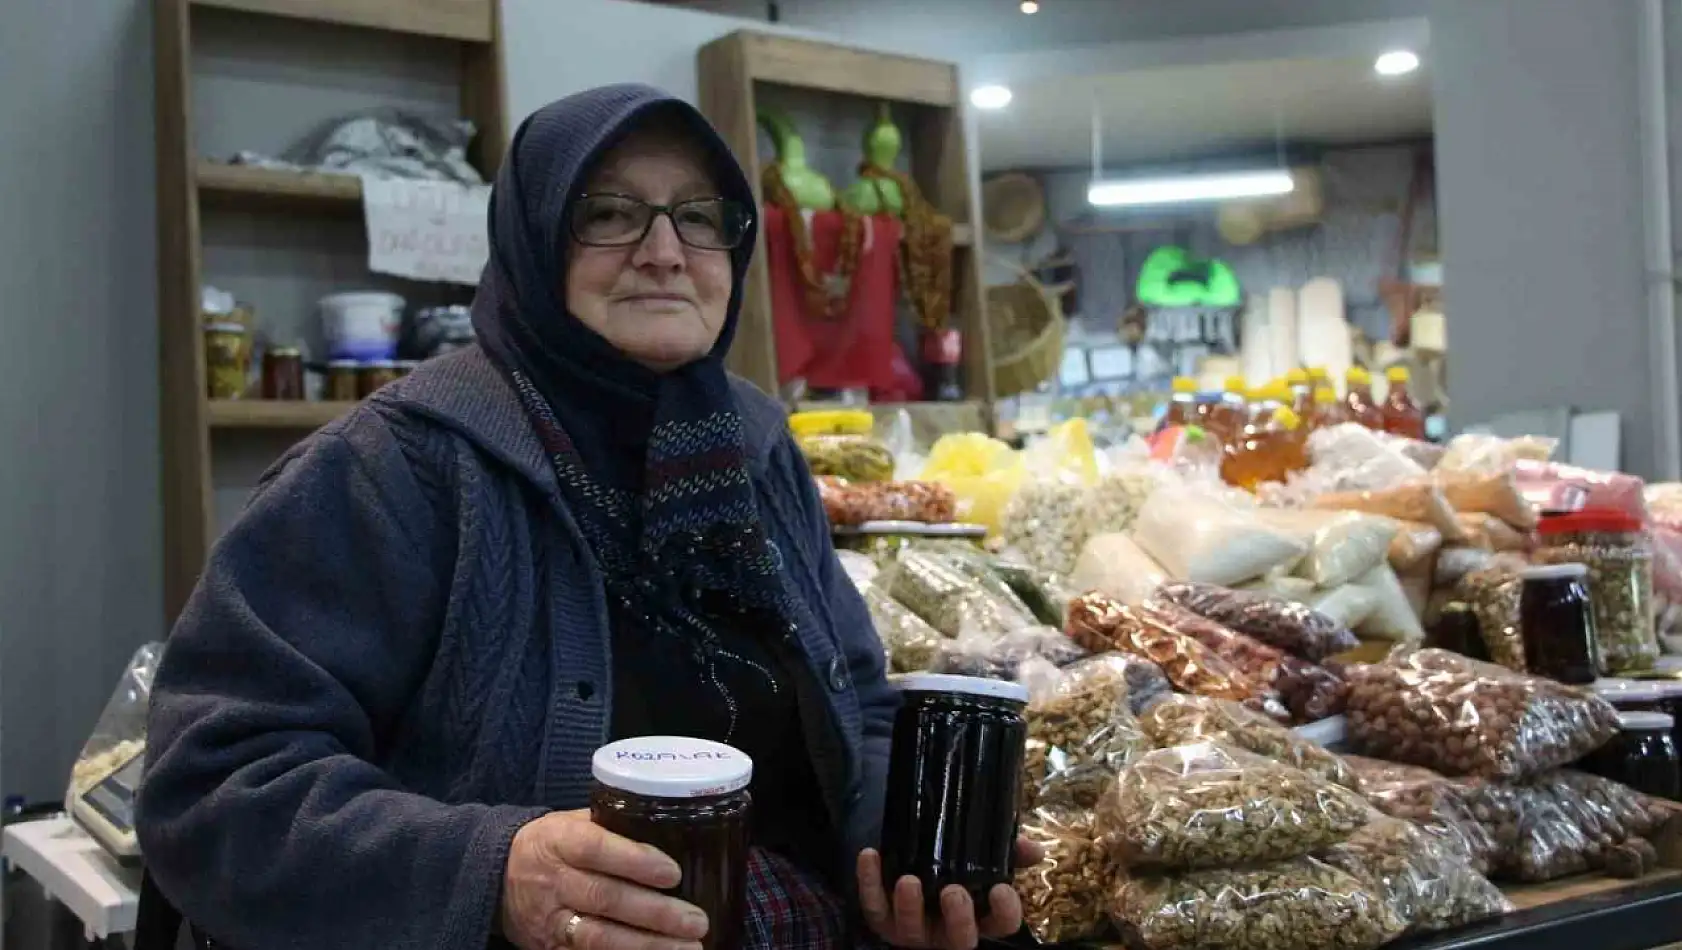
(857, 348)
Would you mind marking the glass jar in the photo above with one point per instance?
(1620, 580)
(689, 799)
(283, 373)
(342, 381)
(226, 363)
(1557, 624)
(1661, 696)
(953, 779)
(373, 375)
(1642, 755)
(1456, 630)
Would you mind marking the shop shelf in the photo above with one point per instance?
(274, 414)
(468, 20)
(224, 185)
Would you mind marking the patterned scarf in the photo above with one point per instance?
(652, 465)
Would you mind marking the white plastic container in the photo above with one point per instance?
(361, 326)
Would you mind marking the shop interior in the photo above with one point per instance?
(1266, 403)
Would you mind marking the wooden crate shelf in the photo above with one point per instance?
(468, 20)
(274, 413)
(255, 187)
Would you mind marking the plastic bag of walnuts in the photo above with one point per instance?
(1295, 905)
(1212, 805)
(1429, 886)
(1081, 735)
(1461, 717)
(1183, 720)
(1286, 625)
(1065, 896)
(1100, 624)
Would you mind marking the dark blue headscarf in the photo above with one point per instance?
(653, 465)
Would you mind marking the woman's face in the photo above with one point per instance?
(660, 302)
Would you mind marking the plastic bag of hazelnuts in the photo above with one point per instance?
(1461, 717)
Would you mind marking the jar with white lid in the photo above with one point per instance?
(954, 777)
(1642, 755)
(689, 799)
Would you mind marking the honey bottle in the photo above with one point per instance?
(1267, 451)
(1357, 398)
(1328, 411)
(1182, 405)
(1231, 411)
(1302, 392)
(1402, 416)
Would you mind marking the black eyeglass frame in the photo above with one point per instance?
(656, 211)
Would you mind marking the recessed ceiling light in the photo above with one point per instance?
(990, 97)
(1397, 62)
(1030, 7)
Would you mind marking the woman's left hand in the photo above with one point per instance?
(900, 920)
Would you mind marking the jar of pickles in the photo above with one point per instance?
(840, 443)
(227, 360)
(1557, 625)
(1620, 580)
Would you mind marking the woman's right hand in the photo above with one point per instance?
(563, 864)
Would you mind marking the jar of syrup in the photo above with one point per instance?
(689, 799)
(953, 778)
(283, 373)
(1642, 756)
(342, 380)
(1557, 624)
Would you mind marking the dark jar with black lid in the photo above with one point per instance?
(953, 780)
(1642, 756)
(1556, 623)
(689, 799)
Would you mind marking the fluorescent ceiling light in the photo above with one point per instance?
(1397, 62)
(1158, 191)
(990, 97)
(1030, 7)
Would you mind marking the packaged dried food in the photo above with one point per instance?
(1066, 896)
(1414, 543)
(1118, 495)
(1351, 457)
(911, 644)
(1434, 804)
(1295, 905)
(1428, 885)
(1556, 486)
(1486, 531)
(1184, 720)
(1620, 562)
(1046, 594)
(1483, 452)
(1288, 626)
(1342, 545)
(1393, 616)
(847, 503)
(1297, 590)
(1493, 595)
(856, 458)
(977, 565)
(1197, 536)
(1212, 805)
(1347, 605)
(1082, 734)
(1438, 709)
(1115, 565)
(1002, 657)
(1493, 493)
(106, 775)
(948, 599)
(859, 568)
(1417, 500)
(1101, 625)
(1456, 562)
(1045, 522)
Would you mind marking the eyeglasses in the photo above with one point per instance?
(711, 224)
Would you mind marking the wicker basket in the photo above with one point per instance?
(1026, 324)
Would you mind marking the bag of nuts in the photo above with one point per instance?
(1493, 594)
(1462, 717)
(1082, 734)
(1433, 804)
(1100, 624)
(1429, 886)
(1184, 720)
(1213, 805)
(849, 503)
(1001, 658)
(1294, 905)
(950, 600)
(1045, 521)
(1280, 623)
(1066, 895)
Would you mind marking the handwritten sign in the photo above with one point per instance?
(426, 230)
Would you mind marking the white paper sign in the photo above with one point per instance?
(426, 230)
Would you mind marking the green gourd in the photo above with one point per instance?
(811, 190)
(873, 194)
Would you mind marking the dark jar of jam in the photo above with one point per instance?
(1642, 756)
(283, 373)
(1660, 696)
(343, 384)
(1556, 623)
(953, 778)
(689, 799)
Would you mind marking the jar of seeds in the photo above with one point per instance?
(1620, 580)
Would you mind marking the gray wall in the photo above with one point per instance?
(1539, 177)
(80, 582)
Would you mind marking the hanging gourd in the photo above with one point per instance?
(878, 194)
(795, 187)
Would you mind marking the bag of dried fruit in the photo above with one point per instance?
(1184, 720)
(1428, 885)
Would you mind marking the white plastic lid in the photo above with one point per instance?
(1646, 722)
(671, 767)
(1615, 690)
(918, 529)
(970, 685)
(1554, 572)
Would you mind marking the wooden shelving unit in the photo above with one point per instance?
(190, 424)
(732, 68)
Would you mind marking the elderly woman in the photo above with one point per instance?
(374, 722)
